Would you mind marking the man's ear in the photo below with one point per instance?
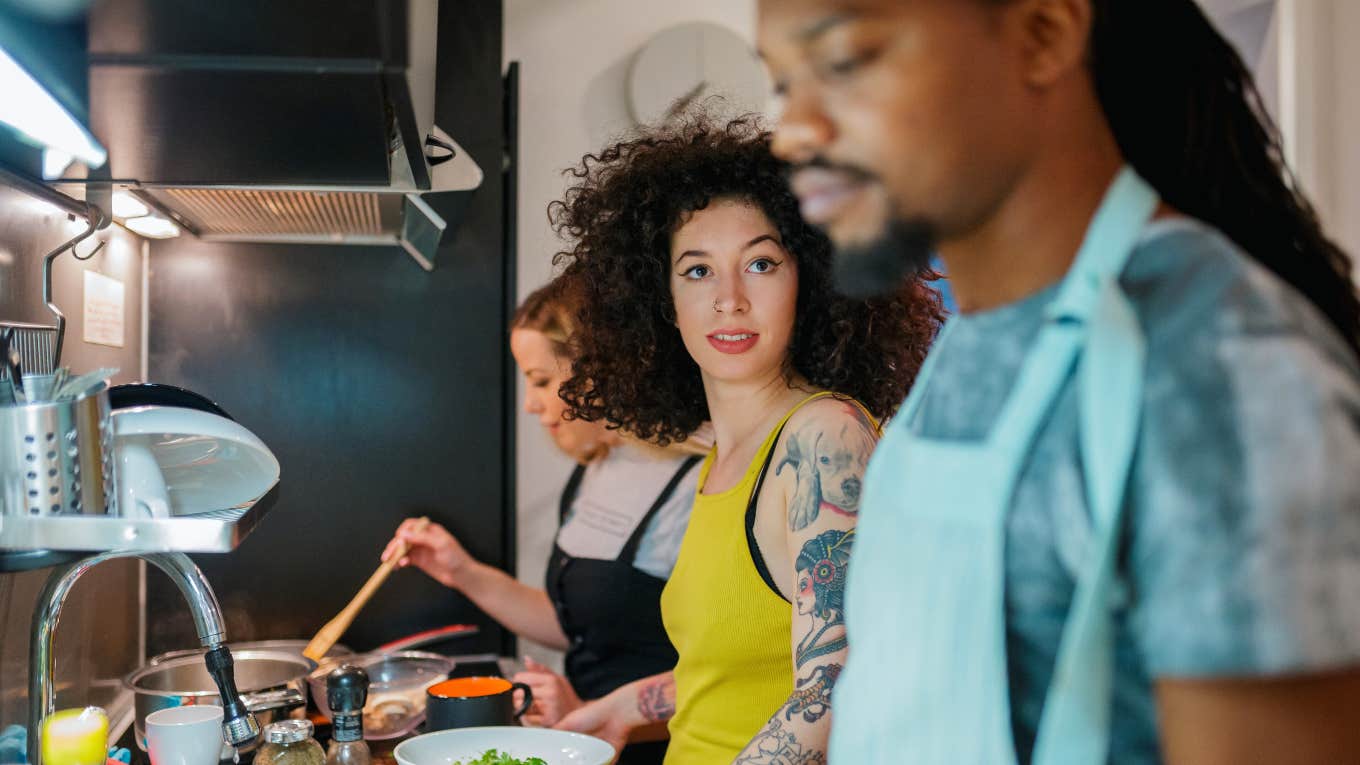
(1054, 36)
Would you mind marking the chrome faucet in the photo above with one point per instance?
(239, 726)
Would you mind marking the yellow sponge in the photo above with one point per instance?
(76, 737)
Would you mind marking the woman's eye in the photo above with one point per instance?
(762, 266)
(842, 67)
(539, 383)
(845, 66)
(695, 272)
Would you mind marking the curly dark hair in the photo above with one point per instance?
(631, 368)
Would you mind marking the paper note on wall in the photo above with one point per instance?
(104, 309)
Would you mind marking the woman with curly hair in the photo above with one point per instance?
(707, 297)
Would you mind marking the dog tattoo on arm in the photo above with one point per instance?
(829, 467)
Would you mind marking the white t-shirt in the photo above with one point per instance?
(614, 495)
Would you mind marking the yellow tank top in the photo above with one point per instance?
(730, 629)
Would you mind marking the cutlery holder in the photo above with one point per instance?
(56, 458)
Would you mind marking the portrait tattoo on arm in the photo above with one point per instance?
(656, 699)
(828, 466)
(820, 572)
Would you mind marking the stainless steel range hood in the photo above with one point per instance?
(267, 121)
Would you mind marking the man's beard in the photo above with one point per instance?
(902, 252)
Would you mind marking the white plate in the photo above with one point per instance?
(206, 462)
(556, 747)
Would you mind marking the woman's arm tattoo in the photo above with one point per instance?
(656, 699)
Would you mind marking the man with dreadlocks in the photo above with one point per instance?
(1118, 518)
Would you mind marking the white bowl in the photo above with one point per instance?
(556, 747)
(176, 461)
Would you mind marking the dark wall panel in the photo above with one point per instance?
(380, 388)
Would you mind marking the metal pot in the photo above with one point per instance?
(271, 683)
(295, 647)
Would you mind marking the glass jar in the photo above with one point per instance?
(290, 742)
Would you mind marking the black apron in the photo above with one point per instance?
(611, 614)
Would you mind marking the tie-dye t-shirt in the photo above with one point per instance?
(1241, 554)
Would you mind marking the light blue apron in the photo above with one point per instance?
(926, 679)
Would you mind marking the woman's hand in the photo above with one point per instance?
(601, 719)
(432, 550)
(637, 711)
(554, 697)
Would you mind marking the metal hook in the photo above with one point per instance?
(95, 218)
(99, 246)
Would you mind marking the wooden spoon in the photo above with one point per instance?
(327, 636)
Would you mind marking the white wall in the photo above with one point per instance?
(1306, 66)
(574, 57)
(1317, 65)
(1343, 216)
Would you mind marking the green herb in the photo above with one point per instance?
(493, 757)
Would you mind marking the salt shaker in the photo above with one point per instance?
(346, 694)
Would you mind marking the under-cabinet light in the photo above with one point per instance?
(30, 109)
(127, 206)
(55, 162)
(152, 227)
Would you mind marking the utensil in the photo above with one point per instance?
(555, 747)
(331, 632)
(59, 378)
(271, 683)
(14, 366)
(5, 335)
(7, 392)
(436, 635)
(396, 690)
(185, 735)
(474, 702)
(74, 387)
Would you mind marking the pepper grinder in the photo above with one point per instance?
(346, 694)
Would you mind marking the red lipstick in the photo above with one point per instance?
(733, 341)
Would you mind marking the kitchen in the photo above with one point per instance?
(352, 344)
(351, 362)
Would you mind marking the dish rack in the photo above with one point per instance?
(58, 472)
(36, 345)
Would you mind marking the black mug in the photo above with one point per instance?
(471, 702)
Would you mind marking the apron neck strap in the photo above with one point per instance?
(629, 552)
(1110, 241)
(569, 492)
(1129, 204)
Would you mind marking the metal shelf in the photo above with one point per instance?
(48, 194)
(212, 532)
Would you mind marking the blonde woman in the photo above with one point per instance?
(623, 513)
